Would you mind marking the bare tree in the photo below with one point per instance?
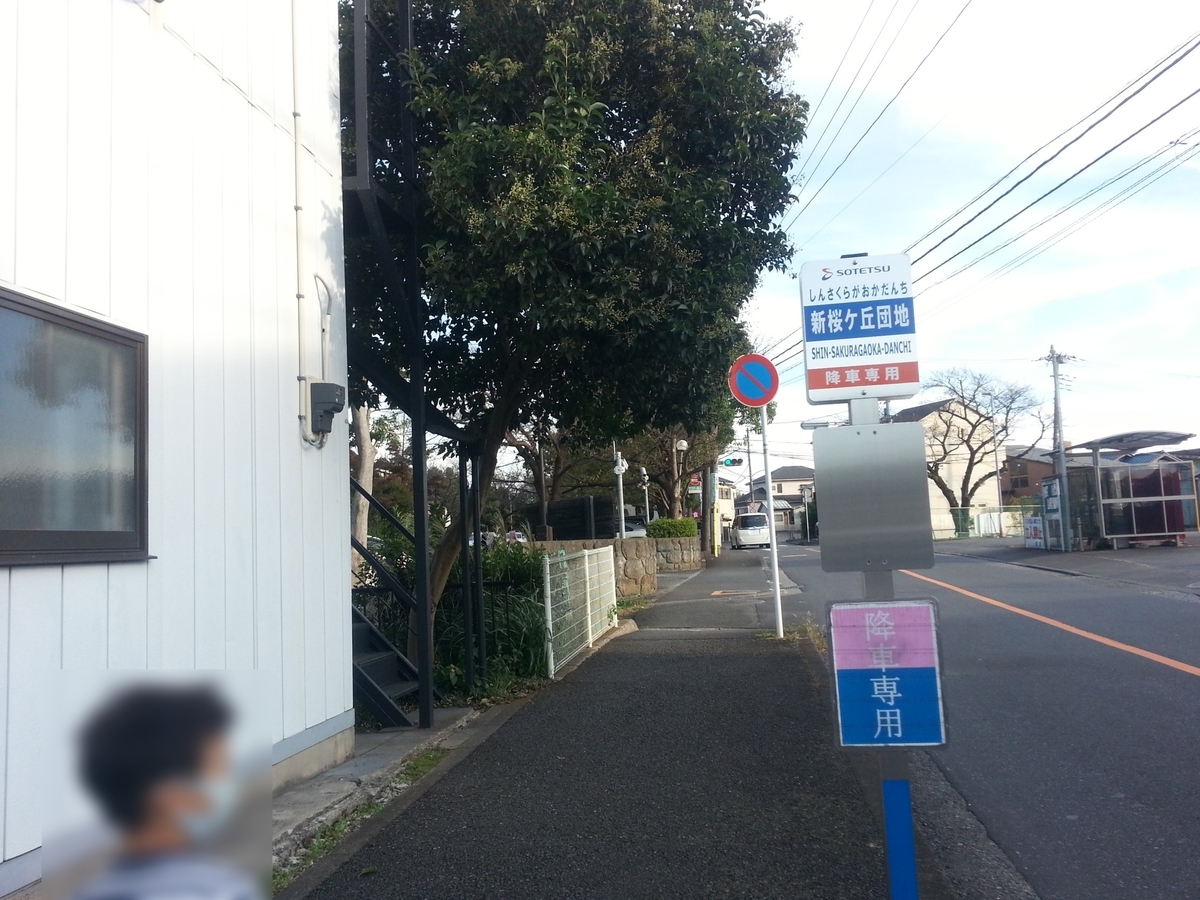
(976, 418)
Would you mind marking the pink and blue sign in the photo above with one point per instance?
(887, 675)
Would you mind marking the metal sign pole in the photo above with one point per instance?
(762, 411)
(899, 839)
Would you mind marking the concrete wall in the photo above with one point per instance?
(148, 155)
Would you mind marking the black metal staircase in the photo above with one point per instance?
(383, 676)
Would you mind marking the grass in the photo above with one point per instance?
(809, 630)
(421, 764)
(333, 833)
(501, 688)
(630, 605)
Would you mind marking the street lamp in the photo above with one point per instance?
(680, 447)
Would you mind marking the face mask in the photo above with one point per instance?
(222, 796)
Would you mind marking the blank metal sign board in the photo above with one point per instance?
(874, 498)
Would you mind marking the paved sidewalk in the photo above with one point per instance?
(1156, 569)
(690, 758)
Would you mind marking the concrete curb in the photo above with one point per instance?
(377, 786)
(480, 729)
(1021, 565)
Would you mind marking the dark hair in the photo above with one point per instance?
(144, 736)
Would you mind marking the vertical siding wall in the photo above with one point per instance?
(147, 177)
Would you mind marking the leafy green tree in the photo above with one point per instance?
(600, 185)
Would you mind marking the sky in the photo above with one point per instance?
(1121, 293)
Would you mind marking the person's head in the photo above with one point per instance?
(155, 758)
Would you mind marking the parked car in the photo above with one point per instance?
(750, 530)
(634, 529)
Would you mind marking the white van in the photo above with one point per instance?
(750, 530)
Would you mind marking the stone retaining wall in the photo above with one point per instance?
(634, 558)
(679, 554)
(639, 560)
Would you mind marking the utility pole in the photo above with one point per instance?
(714, 527)
(749, 468)
(1056, 359)
(619, 467)
(543, 491)
(762, 412)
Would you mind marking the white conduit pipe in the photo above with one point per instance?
(302, 334)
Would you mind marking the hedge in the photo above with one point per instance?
(672, 528)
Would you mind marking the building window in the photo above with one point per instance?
(73, 444)
(1018, 482)
(779, 488)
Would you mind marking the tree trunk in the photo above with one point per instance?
(449, 546)
(364, 474)
(673, 476)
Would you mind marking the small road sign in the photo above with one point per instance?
(859, 328)
(695, 482)
(753, 380)
(887, 676)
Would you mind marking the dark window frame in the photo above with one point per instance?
(37, 547)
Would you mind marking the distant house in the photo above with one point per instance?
(955, 456)
(726, 508)
(791, 488)
(1024, 469)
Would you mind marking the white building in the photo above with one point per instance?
(159, 506)
(957, 437)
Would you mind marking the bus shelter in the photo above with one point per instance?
(1125, 496)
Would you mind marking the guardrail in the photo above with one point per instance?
(580, 591)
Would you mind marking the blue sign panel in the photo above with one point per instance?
(842, 321)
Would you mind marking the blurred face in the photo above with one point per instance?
(193, 805)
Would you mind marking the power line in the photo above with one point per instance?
(1069, 128)
(1068, 230)
(862, 92)
(1069, 178)
(1108, 183)
(1061, 150)
(886, 106)
(787, 337)
(872, 184)
(845, 94)
(841, 62)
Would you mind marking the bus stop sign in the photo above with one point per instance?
(887, 673)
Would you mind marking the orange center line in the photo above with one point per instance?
(1046, 620)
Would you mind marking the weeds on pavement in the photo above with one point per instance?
(630, 605)
(333, 833)
(809, 630)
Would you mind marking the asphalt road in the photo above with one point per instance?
(1081, 759)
